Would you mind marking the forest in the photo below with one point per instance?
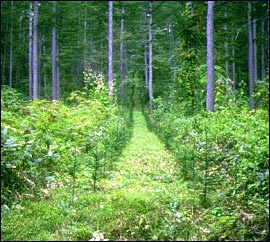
(135, 120)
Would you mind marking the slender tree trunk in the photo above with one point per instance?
(54, 71)
(146, 65)
(40, 44)
(101, 52)
(145, 55)
(226, 55)
(171, 51)
(11, 47)
(3, 66)
(191, 8)
(121, 57)
(262, 50)
(57, 65)
(150, 58)
(125, 58)
(110, 49)
(35, 52)
(210, 57)
(84, 39)
(267, 46)
(250, 60)
(30, 54)
(44, 72)
(254, 50)
(233, 72)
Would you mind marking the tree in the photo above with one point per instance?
(121, 56)
(145, 53)
(35, 52)
(54, 52)
(262, 50)
(210, 57)
(11, 46)
(226, 53)
(254, 50)
(250, 60)
(150, 58)
(110, 49)
(30, 54)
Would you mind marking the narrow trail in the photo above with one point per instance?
(142, 198)
(145, 164)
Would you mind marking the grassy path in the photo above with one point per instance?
(156, 203)
(145, 164)
(143, 198)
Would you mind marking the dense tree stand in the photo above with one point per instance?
(161, 131)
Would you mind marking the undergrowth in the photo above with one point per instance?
(224, 155)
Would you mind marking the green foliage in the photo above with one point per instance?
(40, 138)
(261, 94)
(224, 154)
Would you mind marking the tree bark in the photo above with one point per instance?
(233, 72)
(57, 65)
(30, 54)
(170, 27)
(84, 38)
(250, 60)
(35, 52)
(191, 8)
(11, 46)
(145, 54)
(226, 55)
(3, 66)
(121, 57)
(54, 71)
(150, 58)
(110, 49)
(254, 50)
(262, 50)
(101, 52)
(210, 57)
(44, 72)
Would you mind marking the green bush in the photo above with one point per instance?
(225, 155)
(41, 139)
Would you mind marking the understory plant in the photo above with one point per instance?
(39, 138)
(224, 155)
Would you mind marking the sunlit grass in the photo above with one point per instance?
(133, 203)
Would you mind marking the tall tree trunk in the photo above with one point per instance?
(171, 50)
(262, 50)
(121, 57)
(35, 52)
(267, 46)
(54, 71)
(145, 55)
(30, 54)
(233, 72)
(44, 72)
(150, 58)
(3, 66)
(250, 59)
(125, 58)
(226, 54)
(40, 48)
(254, 50)
(101, 52)
(11, 47)
(110, 49)
(84, 38)
(191, 8)
(57, 65)
(210, 57)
